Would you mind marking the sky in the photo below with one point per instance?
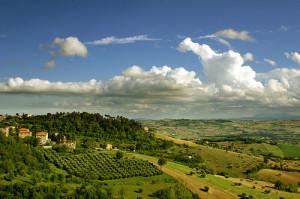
(151, 59)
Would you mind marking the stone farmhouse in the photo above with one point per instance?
(24, 132)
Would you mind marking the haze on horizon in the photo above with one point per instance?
(151, 59)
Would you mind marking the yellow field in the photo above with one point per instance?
(274, 175)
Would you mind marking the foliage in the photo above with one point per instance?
(161, 161)
(176, 192)
(118, 130)
(19, 159)
(100, 166)
(119, 155)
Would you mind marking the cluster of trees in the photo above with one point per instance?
(25, 190)
(20, 159)
(176, 192)
(117, 130)
(84, 124)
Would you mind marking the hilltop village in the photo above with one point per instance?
(43, 139)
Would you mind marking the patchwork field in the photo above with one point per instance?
(221, 161)
(275, 175)
(288, 130)
(219, 187)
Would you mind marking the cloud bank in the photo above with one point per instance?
(228, 84)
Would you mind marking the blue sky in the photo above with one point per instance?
(28, 29)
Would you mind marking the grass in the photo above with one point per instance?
(219, 184)
(173, 165)
(129, 187)
(275, 175)
(256, 193)
(290, 150)
(234, 164)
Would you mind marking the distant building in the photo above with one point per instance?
(24, 132)
(7, 130)
(2, 117)
(109, 147)
(43, 136)
(115, 148)
(70, 145)
(146, 129)
(47, 147)
(61, 139)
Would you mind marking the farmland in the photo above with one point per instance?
(290, 150)
(101, 166)
(287, 130)
(275, 175)
(230, 165)
(219, 186)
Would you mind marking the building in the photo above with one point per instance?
(7, 130)
(2, 117)
(70, 145)
(146, 129)
(24, 132)
(109, 147)
(43, 136)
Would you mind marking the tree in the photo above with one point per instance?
(161, 161)
(279, 185)
(119, 155)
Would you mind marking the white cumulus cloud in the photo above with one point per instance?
(222, 68)
(294, 56)
(18, 85)
(234, 34)
(70, 46)
(248, 57)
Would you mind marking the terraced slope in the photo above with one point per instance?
(101, 166)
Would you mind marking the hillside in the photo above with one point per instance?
(115, 157)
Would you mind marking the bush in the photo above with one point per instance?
(205, 189)
(119, 155)
(140, 190)
(161, 161)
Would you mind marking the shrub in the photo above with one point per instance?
(161, 161)
(119, 155)
(205, 189)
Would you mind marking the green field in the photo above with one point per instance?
(130, 187)
(290, 150)
(256, 193)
